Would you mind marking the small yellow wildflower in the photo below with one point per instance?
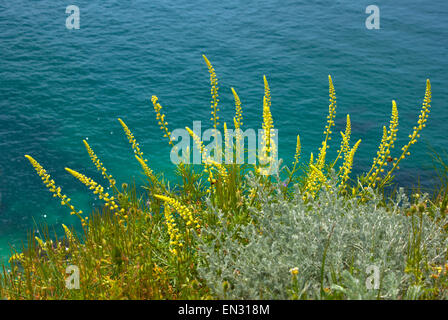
(331, 111)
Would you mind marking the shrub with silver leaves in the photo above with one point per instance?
(328, 247)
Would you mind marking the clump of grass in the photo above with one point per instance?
(149, 243)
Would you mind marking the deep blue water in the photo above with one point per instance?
(59, 86)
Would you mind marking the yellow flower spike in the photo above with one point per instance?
(41, 243)
(294, 271)
(88, 182)
(161, 119)
(298, 149)
(330, 123)
(68, 233)
(221, 170)
(268, 148)
(268, 123)
(99, 165)
(331, 111)
(348, 131)
(203, 152)
(421, 123)
(296, 160)
(393, 121)
(136, 148)
(17, 257)
(348, 163)
(132, 140)
(173, 231)
(238, 134)
(387, 143)
(322, 154)
(226, 136)
(345, 144)
(267, 92)
(213, 92)
(319, 174)
(315, 176)
(148, 172)
(226, 140)
(197, 141)
(183, 211)
(311, 185)
(238, 119)
(50, 184)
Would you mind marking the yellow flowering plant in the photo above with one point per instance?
(143, 244)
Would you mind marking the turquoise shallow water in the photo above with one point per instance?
(59, 86)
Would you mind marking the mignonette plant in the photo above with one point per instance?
(228, 230)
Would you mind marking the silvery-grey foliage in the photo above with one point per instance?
(349, 236)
